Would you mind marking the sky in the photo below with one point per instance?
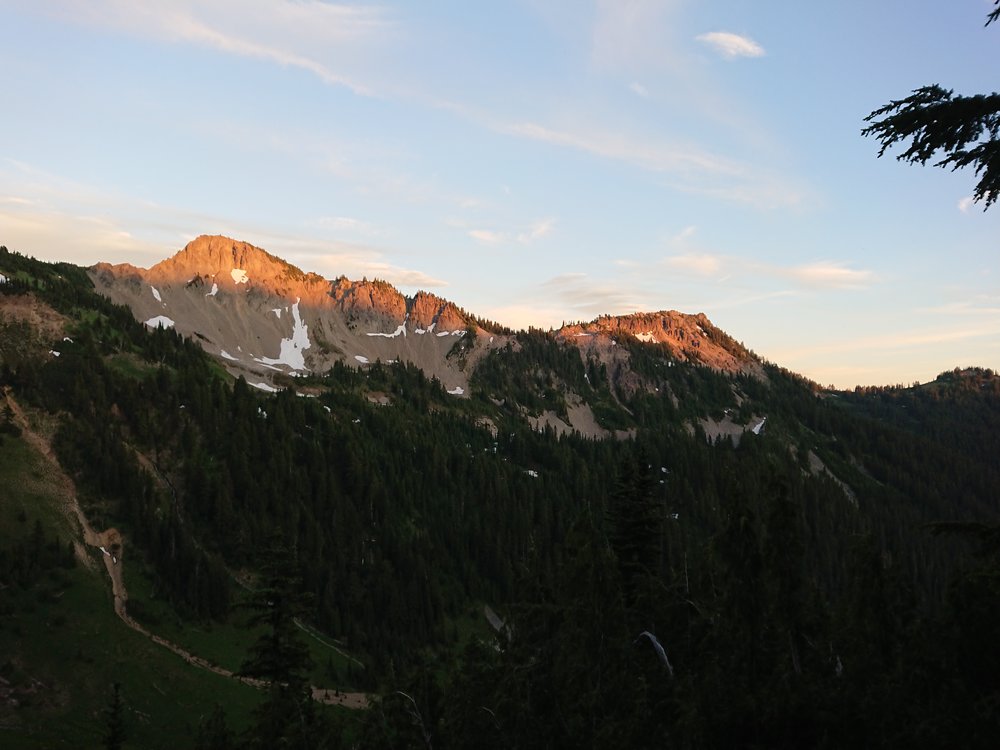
(534, 161)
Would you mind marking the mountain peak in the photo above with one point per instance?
(215, 255)
(691, 338)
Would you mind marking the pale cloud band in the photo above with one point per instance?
(536, 231)
(818, 275)
(731, 46)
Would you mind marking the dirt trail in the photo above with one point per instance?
(111, 543)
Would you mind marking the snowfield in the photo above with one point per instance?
(291, 352)
(160, 320)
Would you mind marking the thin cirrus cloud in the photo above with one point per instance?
(829, 275)
(487, 236)
(318, 37)
(536, 231)
(700, 264)
(818, 275)
(730, 45)
(638, 89)
(583, 296)
(347, 224)
(351, 259)
(687, 167)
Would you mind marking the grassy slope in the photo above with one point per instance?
(62, 647)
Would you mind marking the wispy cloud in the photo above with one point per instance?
(586, 298)
(688, 167)
(965, 204)
(730, 45)
(657, 157)
(310, 35)
(980, 304)
(701, 264)
(638, 89)
(357, 261)
(633, 35)
(347, 224)
(538, 229)
(895, 341)
(830, 275)
(486, 236)
(534, 232)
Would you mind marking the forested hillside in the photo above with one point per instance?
(745, 560)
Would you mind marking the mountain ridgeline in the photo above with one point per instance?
(675, 541)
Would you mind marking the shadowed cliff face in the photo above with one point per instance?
(262, 316)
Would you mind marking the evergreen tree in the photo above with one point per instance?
(966, 129)
(214, 733)
(114, 732)
(280, 657)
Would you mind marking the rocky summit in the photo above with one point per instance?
(261, 316)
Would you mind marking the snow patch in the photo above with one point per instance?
(457, 391)
(226, 355)
(156, 293)
(531, 473)
(588, 335)
(648, 337)
(362, 360)
(276, 311)
(421, 331)
(264, 387)
(759, 426)
(215, 290)
(67, 339)
(3, 279)
(401, 330)
(160, 320)
(53, 352)
(239, 276)
(291, 350)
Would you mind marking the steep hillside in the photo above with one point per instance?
(262, 317)
(741, 549)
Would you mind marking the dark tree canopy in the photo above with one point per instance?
(964, 129)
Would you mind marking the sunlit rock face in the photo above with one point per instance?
(261, 315)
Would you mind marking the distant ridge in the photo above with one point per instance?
(259, 314)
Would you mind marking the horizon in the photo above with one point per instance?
(581, 160)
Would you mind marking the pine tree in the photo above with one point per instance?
(279, 656)
(966, 129)
(114, 732)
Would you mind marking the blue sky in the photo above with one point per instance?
(535, 162)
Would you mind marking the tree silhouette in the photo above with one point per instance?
(279, 656)
(965, 129)
(114, 730)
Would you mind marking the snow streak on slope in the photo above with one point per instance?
(401, 330)
(292, 349)
(156, 294)
(160, 320)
